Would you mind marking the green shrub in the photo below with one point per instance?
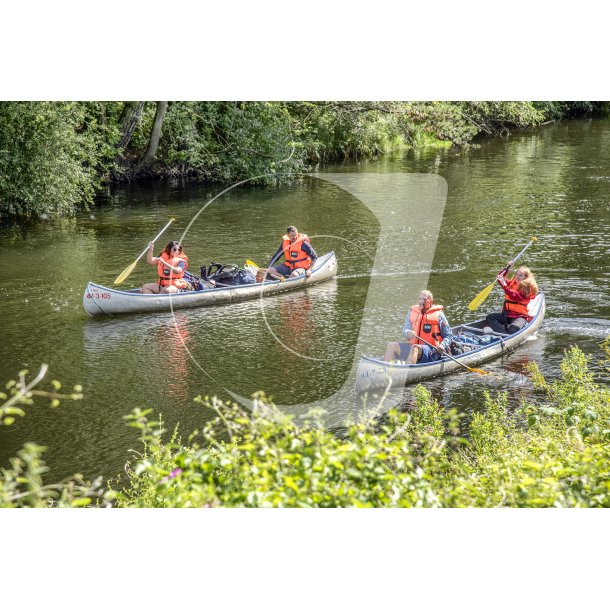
(549, 453)
(406, 459)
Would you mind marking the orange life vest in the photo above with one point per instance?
(426, 324)
(516, 309)
(167, 277)
(296, 257)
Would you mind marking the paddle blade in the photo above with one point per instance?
(479, 371)
(478, 300)
(121, 278)
(251, 264)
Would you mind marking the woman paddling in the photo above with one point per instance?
(518, 292)
(171, 265)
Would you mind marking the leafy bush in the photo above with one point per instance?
(21, 484)
(269, 461)
(547, 454)
(408, 459)
(352, 130)
(568, 110)
(553, 453)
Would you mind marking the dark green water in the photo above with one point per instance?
(554, 183)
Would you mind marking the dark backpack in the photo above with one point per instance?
(227, 275)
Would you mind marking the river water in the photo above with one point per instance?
(299, 347)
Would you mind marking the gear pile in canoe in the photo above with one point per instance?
(100, 300)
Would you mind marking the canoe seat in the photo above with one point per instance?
(480, 331)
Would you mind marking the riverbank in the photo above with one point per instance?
(60, 154)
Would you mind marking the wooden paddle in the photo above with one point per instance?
(470, 368)
(480, 298)
(127, 272)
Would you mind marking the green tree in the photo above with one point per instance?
(51, 157)
(54, 155)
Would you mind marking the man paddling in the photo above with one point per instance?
(425, 320)
(299, 255)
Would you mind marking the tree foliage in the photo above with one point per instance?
(232, 141)
(50, 154)
(54, 155)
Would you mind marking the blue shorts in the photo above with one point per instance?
(429, 354)
(285, 270)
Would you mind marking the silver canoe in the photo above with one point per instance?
(375, 373)
(100, 300)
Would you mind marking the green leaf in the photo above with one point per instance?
(533, 465)
(80, 502)
(289, 482)
(246, 447)
(532, 419)
(353, 473)
(14, 411)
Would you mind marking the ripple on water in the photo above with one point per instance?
(578, 327)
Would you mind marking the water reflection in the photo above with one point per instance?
(157, 345)
(297, 325)
(170, 358)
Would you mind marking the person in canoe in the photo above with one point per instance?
(171, 265)
(518, 292)
(299, 256)
(425, 320)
